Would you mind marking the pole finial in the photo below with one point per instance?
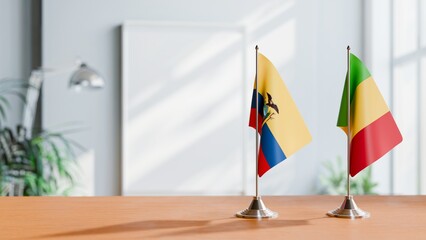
(257, 47)
(349, 48)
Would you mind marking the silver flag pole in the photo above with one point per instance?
(348, 209)
(257, 208)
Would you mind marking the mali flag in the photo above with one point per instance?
(281, 126)
(373, 129)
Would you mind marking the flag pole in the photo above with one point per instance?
(348, 209)
(348, 84)
(257, 128)
(257, 208)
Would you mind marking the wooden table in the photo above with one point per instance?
(301, 217)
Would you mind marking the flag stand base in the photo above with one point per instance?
(257, 209)
(349, 209)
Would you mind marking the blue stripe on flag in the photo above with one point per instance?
(270, 147)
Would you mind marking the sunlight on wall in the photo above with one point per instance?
(197, 57)
(265, 13)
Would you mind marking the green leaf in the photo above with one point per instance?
(46, 158)
(20, 95)
(4, 101)
(335, 177)
(30, 180)
(2, 112)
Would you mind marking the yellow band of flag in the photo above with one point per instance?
(369, 105)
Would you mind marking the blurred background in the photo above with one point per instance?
(172, 115)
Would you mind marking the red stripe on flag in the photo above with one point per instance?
(252, 120)
(263, 164)
(373, 141)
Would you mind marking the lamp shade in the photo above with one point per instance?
(86, 77)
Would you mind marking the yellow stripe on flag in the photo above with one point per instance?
(368, 105)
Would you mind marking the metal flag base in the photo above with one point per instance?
(257, 209)
(349, 209)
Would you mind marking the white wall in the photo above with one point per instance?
(378, 58)
(305, 39)
(15, 48)
(400, 76)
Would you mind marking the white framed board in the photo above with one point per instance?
(184, 105)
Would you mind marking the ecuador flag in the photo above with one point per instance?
(373, 129)
(281, 126)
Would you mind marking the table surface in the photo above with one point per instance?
(300, 217)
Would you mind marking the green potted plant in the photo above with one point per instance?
(333, 181)
(40, 164)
